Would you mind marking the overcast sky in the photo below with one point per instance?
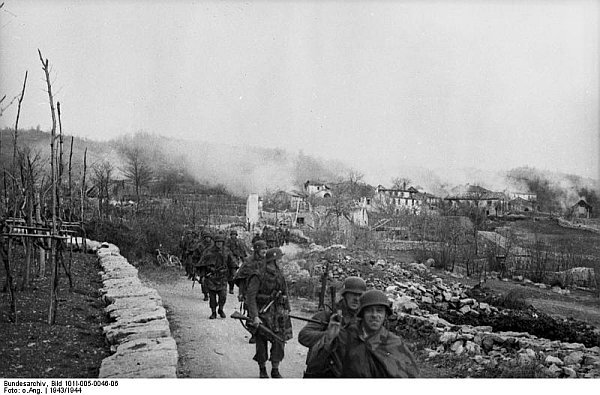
(381, 85)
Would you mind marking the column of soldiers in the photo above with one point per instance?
(350, 341)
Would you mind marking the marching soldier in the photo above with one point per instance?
(366, 348)
(256, 237)
(187, 248)
(346, 308)
(268, 304)
(238, 250)
(271, 240)
(216, 268)
(248, 268)
(204, 245)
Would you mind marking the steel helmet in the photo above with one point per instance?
(220, 237)
(233, 232)
(260, 244)
(273, 254)
(206, 233)
(374, 297)
(355, 285)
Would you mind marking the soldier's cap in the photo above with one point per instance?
(354, 284)
(206, 233)
(374, 297)
(233, 232)
(220, 237)
(273, 254)
(260, 244)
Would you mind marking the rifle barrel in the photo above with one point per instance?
(308, 320)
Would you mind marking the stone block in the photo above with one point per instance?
(152, 329)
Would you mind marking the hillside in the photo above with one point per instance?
(240, 170)
(250, 169)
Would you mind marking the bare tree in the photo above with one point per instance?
(103, 173)
(54, 261)
(137, 170)
(400, 182)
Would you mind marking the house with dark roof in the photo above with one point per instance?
(401, 198)
(476, 196)
(581, 209)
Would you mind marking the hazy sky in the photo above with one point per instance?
(380, 85)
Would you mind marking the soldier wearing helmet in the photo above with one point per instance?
(366, 348)
(268, 304)
(238, 250)
(246, 269)
(202, 246)
(249, 267)
(216, 267)
(347, 310)
(189, 242)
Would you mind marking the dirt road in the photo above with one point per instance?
(216, 348)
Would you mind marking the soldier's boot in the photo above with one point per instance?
(252, 339)
(275, 370)
(262, 372)
(205, 297)
(222, 313)
(231, 290)
(213, 315)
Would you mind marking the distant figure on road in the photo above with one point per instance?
(346, 308)
(365, 349)
(217, 267)
(267, 300)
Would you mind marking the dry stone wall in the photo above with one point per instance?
(139, 333)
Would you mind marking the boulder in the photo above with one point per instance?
(427, 299)
(448, 337)
(569, 372)
(574, 358)
(472, 348)
(404, 304)
(554, 370)
(457, 347)
(464, 309)
(591, 360)
(552, 360)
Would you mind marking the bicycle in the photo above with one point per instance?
(167, 259)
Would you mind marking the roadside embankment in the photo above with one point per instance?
(139, 332)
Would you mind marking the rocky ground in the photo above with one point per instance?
(74, 346)
(463, 331)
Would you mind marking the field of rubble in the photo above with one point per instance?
(458, 328)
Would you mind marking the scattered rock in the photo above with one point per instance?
(570, 372)
(554, 370)
(552, 360)
(464, 309)
(457, 347)
(574, 358)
